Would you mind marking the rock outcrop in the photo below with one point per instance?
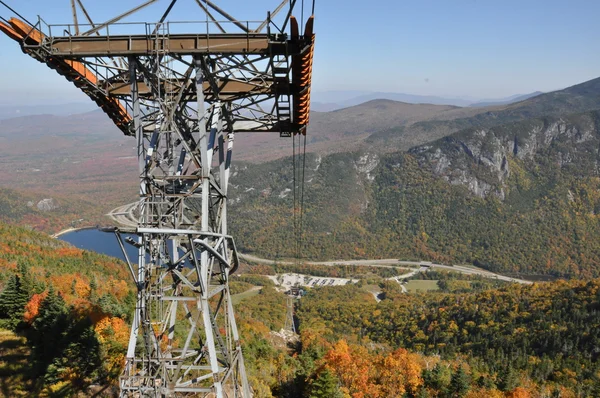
(480, 159)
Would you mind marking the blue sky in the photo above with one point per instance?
(458, 48)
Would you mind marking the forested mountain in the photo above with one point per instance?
(47, 213)
(86, 157)
(518, 341)
(72, 306)
(518, 198)
(579, 98)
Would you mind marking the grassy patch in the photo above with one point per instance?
(374, 289)
(421, 285)
(237, 298)
(14, 365)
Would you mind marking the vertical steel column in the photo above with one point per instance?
(185, 315)
(204, 260)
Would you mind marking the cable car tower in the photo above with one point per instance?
(183, 90)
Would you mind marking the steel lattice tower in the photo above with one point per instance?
(183, 96)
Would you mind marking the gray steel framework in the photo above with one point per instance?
(184, 315)
(183, 97)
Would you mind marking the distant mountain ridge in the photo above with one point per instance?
(579, 98)
(509, 100)
(13, 111)
(516, 191)
(521, 198)
(331, 102)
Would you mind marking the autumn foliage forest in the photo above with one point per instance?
(72, 307)
(65, 312)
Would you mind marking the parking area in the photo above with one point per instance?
(289, 280)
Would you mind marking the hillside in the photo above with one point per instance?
(518, 341)
(47, 213)
(504, 101)
(81, 156)
(346, 129)
(385, 126)
(510, 342)
(72, 307)
(521, 198)
(88, 158)
(579, 98)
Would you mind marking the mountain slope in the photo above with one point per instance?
(47, 213)
(520, 198)
(579, 98)
(504, 101)
(548, 333)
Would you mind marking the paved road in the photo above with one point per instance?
(394, 263)
(124, 215)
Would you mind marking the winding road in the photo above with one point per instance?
(124, 215)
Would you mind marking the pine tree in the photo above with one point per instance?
(437, 378)
(507, 379)
(325, 386)
(49, 329)
(460, 383)
(13, 299)
(93, 288)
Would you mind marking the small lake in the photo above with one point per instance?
(101, 242)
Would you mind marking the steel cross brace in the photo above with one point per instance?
(184, 338)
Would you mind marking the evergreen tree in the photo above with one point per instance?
(422, 393)
(507, 378)
(48, 330)
(325, 386)
(93, 288)
(81, 357)
(12, 302)
(437, 378)
(460, 383)
(595, 390)
(485, 382)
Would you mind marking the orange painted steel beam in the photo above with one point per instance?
(302, 74)
(74, 71)
(10, 32)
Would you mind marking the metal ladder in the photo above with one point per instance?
(281, 69)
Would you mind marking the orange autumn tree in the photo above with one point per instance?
(400, 372)
(519, 392)
(354, 368)
(32, 308)
(113, 335)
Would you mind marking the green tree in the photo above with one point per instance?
(48, 330)
(460, 383)
(325, 386)
(12, 302)
(437, 379)
(507, 378)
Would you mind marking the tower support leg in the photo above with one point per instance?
(184, 337)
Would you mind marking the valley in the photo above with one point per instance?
(426, 231)
(323, 200)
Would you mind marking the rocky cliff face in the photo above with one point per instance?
(47, 204)
(480, 159)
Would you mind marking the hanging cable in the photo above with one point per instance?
(298, 170)
(301, 241)
(294, 193)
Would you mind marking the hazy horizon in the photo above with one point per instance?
(462, 49)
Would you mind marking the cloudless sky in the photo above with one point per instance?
(457, 48)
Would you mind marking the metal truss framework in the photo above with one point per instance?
(183, 97)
